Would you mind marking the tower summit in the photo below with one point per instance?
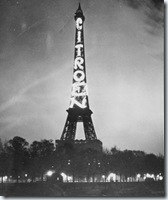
(79, 110)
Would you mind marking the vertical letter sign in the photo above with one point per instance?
(79, 89)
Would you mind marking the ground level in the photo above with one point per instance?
(46, 189)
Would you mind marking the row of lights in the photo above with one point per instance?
(111, 176)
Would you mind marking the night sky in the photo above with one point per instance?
(124, 51)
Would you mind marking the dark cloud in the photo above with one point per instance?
(155, 17)
(134, 4)
(158, 4)
(154, 13)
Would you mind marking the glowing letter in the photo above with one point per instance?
(78, 36)
(79, 24)
(79, 89)
(78, 63)
(79, 75)
(79, 46)
(81, 105)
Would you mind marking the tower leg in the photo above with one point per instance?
(69, 129)
(89, 128)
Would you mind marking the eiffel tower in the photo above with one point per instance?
(79, 110)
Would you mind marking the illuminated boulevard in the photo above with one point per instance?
(39, 169)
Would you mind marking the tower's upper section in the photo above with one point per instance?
(79, 95)
(79, 13)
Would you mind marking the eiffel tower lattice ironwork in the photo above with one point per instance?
(79, 110)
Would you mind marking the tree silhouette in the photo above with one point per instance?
(152, 164)
(18, 149)
(41, 157)
(5, 161)
(17, 158)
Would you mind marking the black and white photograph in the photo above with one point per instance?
(82, 98)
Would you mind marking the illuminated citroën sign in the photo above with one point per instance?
(79, 88)
(79, 110)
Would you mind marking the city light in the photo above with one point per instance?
(66, 178)
(159, 177)
(152, 176)
(111, 177)
(49, 173)
(138, 175)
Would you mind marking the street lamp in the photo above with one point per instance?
(49, 173)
